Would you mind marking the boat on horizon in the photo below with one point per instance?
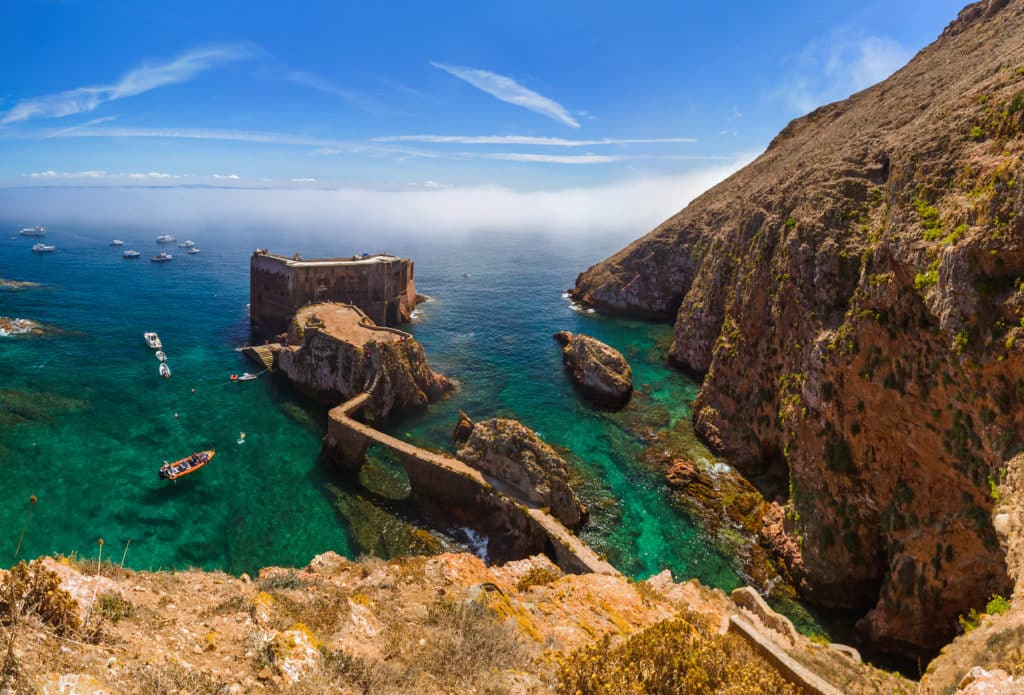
(189, 464)
(43, 248)
(187, 244)
(117, 242)
(165, 371)
(161, 258)
(152, 340)
(38, 230)
(166, 239)
(193, 251)
(131, 253)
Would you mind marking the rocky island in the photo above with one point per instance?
(600, 371)
(851, 302)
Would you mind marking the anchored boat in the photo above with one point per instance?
(33, 231)
(117, 242)
(43, 248)
(131, 253)
(165, 371)
(161, 258)
(161, 355)
(166, 239)
(189, 464)
(152, 340)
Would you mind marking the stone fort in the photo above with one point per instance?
(379, 284)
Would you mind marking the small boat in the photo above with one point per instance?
(165, 371)
(131, 253)
(187, 244)
(166, 239)
(161, 258)
(33, 231)
(193, 251)
(243, 377)
(117, 242)
(152, 340)
(189, 464)
(43, 248)
(161, 355)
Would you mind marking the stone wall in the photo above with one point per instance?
(382, 286)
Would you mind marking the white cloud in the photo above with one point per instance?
(231, 177)
(98, 174)
(835, 68)
(635, 205)
(141, 79)
(582, 158)
(304, 179)
(526, 140)
(508, 90)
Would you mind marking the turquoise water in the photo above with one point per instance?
(99, 420)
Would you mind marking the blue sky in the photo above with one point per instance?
(339, 92)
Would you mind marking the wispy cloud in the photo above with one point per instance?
(304, 179)
(526, 140)
(508, 90)
(585, 158)
(142, 79)
(836, 67)
(360, 101)
(99, 174)
(231, 177)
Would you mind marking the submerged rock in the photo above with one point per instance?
(513, 454)
(600, 371)
(12, 326)
(17, 284)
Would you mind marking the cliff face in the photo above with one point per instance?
(853, 300)
(336, 360)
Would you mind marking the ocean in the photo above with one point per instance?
(86, 421)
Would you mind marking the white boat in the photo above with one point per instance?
(43, 248)
(33, 231)
(166, 239)
(117, 242)
(152, 340)
(187, 244)
(193, 251)
(131, 253)
(161, 355)
(161, 258)
(246, 377)
(165, 371)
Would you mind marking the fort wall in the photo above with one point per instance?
(381, 285)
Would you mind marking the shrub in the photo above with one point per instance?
(34, 590)
(923, 281)
(997, 605)
(682, 655)
(538, 576)
(115, 607)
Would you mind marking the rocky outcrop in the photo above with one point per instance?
(601, 372)
(13, 326)
(427, 625)
(333, 368)
(852, 302)
(512, 454)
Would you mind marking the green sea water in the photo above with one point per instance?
(85, 420)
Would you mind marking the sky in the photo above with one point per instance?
(512, 98)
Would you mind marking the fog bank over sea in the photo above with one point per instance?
(636, 205)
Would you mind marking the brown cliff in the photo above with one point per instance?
(334, 352)
(852, 300)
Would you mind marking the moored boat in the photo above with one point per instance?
(38, 230)
(187, 244)
(161, 355)
(43, 248)
(166, 239)
(161, 258)
(117, 242)
(189, 464)
(165, 371)
(193, 251)
(152, 340)
(131, 253)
